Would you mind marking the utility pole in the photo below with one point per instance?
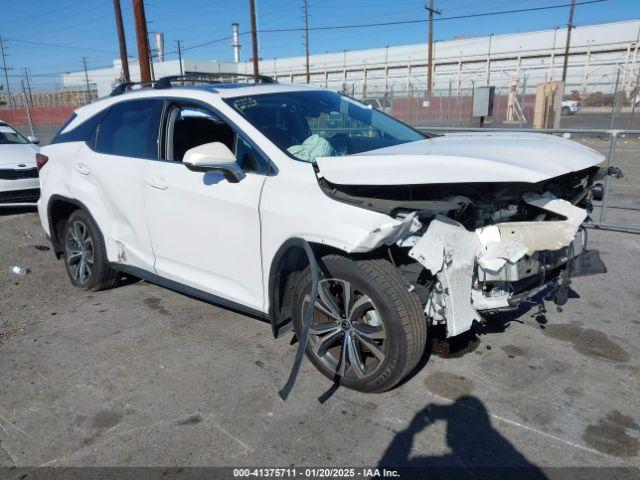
(6, 78)
(28, 109)
(432, 11)
(26, 76)
(489, 61)
(142, 37)
(254, 40)
(86, 78)
(305, 8)
(179, 56)
(124, 59)
(566, 48)
(153, 73)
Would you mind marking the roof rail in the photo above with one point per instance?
(125, 87)
(208, 77)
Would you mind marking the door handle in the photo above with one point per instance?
(157, 182)
(82, 169)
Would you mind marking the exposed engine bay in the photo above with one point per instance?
(469, 249)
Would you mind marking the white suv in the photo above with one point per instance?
(208, 189)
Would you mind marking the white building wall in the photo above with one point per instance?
(105, 79)
(596, 53)
(464, 61)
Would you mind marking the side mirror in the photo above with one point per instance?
(33, 139)
(214, 157)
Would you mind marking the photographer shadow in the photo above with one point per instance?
(477, 450)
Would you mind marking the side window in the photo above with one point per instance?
(85, 132)
(249, 159)
(130, 129)
(190, 126)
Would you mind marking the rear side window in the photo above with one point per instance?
(130, 129)
(81, 133)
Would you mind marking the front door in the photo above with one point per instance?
(205, 231)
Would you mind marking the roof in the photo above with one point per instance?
(199, 92)
(229, 90)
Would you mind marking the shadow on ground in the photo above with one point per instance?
(477, 450)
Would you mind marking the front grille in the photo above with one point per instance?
(6, 174)
(20, 196)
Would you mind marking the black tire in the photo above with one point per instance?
(99, 275)
(397, 312)
(565, 111)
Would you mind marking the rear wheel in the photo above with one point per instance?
(368, 331)
(565, 111)
(85, 255)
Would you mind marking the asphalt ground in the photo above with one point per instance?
(143, 376)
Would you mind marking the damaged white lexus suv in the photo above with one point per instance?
(212, 187)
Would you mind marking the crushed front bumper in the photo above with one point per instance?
(521, 280)
(496, 266)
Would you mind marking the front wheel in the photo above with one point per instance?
(368, 331)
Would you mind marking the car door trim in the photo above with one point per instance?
(188, 290)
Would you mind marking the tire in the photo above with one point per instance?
(382, 332)
(83, 245)
(565, 111)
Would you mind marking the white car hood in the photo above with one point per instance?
(463, 158)
(13, 155)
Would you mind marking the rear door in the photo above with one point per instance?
(109, 171)
(205, 231)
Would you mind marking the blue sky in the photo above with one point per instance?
(50, 36)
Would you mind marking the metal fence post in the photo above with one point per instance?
(615, 100)
(449, 105)
(613, 139)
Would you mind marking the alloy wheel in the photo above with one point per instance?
(79, 251)
(347, 332)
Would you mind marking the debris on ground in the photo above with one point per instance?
(18, 270)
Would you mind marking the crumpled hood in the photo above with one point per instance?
(13, 155)
(463, 157)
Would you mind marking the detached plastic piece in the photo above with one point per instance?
(304, 333)
(18, 270)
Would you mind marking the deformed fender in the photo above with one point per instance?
(55, 241)
(287, 248)
(388, 233)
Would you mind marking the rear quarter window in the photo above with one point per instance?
(80, 133)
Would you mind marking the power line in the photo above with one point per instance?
(366, 25)
(55, 45)
(407, 22)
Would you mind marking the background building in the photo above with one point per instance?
(531, 58)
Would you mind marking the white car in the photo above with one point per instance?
(570, 107)
(19, 185)
(209, 190)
